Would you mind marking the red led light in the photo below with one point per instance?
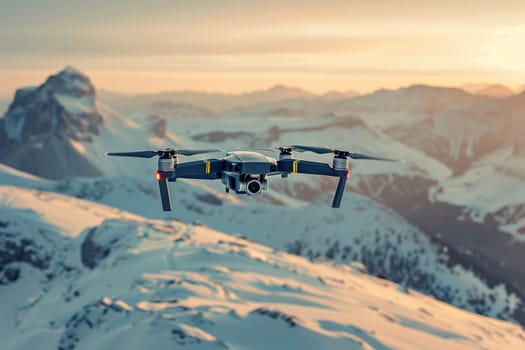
(347, 175)
(159, 176)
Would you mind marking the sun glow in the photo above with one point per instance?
(318, 46)
(505, 49)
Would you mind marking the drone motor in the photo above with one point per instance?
(167, 164)
(340, 163)
(285, 153)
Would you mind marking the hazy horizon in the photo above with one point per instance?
(235, 46)
(467, 86)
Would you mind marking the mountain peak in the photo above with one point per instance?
(63, 104)
(280, 88)
(71, 70)
(49, 117)
(491, 90)
(70, 81)
(495, 90)
(429, 89)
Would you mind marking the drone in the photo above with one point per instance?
(246, 172)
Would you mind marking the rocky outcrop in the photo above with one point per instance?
(63, 106)
(41, 131)
(91, 252)
(16, 249)
(157, 126)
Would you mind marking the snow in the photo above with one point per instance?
(16, 177)
(322, 131)
(174, 284)
(361, 230)
(492, 184)
(169, 283)
(75, 104)
(79, 147)
(14, 128)
(72, 214)
(482, 187)
(119, 133)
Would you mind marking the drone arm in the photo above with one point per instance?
(339, 191)
(308, 167)
(164, 192)
(200, 169)
(305, 167)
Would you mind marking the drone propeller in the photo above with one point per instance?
(192, 152)
(165, 152)
(138, 154)
(314, 149)
(339, 153)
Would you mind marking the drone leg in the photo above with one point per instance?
(339, 192)
(164, 194)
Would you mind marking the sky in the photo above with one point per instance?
(233, 45)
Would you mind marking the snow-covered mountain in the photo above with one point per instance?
(465, 143)
(482, 202)
(200, 104)
(462, 135)
(4, 104)
(60, 129)
(167, 108)
(457, 233)
(44, 124)
(493, 90)
(383, 241)
(108, 278)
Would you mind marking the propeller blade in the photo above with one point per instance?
(192, 152)
(319, 150)
(150, 154)
(366, 157)
(324, 150)
(138, 154)
(262, 148)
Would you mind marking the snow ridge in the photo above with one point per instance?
(127, 281)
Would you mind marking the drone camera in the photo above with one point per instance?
(254, 187)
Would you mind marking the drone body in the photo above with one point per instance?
(246, 172)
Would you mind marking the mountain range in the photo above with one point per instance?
(450, 222)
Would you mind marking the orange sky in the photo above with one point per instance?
(231, 46)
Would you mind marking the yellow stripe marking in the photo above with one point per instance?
(294, 166)
(208, 166)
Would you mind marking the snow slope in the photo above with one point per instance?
(362, 231)
(493, 186)
(488, 194)
(114, 279)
